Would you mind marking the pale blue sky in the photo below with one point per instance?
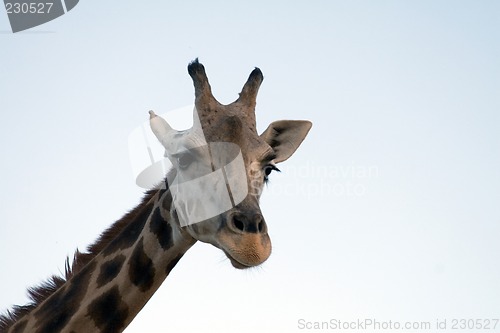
(389, 210)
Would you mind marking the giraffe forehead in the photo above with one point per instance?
(230, 126)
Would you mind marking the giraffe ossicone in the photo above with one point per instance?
(221, 159)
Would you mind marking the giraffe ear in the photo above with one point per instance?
(285, 136)
(161, 130)
(159, 126)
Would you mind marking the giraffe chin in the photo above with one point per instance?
(236, 263)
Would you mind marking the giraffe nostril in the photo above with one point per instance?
(238, 224)
(242, 223)
(261, 223)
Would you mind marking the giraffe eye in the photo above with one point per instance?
(184, 161)
(267, 171)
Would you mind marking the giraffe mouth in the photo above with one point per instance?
(236, 263)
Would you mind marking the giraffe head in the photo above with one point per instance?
(220, 167)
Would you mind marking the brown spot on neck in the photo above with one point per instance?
(141, 269)
(109, 312)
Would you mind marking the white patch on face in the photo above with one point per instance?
(210, 178)
(214, 182)
(235, 174)
(256, 177)
(177, 142)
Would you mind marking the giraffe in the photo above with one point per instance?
(104, 288)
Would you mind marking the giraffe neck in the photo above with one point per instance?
(106, 292)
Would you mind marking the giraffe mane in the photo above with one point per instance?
(38, 294)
